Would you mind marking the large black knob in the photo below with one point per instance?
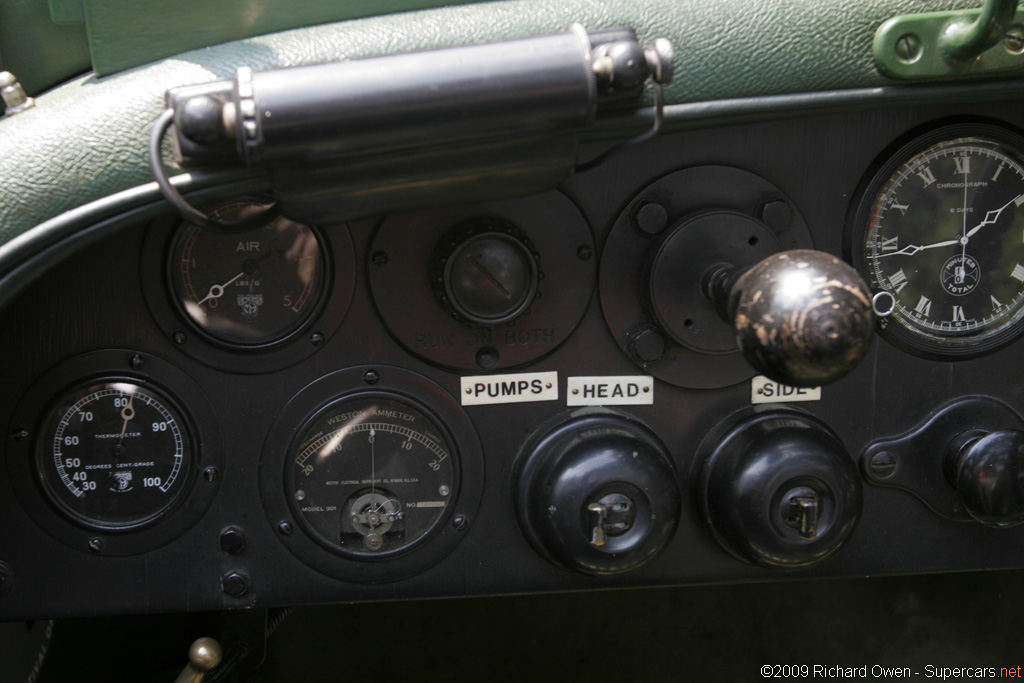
(987, 470)
(801, 317)
(779, 489)
(597, 494)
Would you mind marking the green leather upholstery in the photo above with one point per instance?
(87, 139)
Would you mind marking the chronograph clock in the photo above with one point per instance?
(939, 236)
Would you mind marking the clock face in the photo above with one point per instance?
(939, 236)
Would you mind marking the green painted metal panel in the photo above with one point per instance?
(87, 139)
(39, 52)
(126, 34)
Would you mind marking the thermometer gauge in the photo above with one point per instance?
(114, 455)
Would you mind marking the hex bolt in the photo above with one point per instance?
(908, 48)
(136, 362)
(882, 465)
(13, 94)
(235, 583)
(1014, 40)
(647, 345)
(777, 214)
(232, 540)
(650, 217)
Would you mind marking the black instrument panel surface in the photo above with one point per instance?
(92, 302)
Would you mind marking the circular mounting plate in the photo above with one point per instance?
(322, 322)
(200, 425)
(400, 266)
(707, 214)
(353, 384)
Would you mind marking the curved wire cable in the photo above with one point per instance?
(174, 198)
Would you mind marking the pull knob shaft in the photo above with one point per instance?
(801, 317)
(988, 473)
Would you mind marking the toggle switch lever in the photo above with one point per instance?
(804, 511)
(612, 515)
(204, 656)
(801, 317)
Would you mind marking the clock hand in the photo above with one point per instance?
(912, 249)
(992, 216)
(217, 291)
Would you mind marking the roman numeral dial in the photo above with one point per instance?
(938, 236)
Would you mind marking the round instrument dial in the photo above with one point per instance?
(250, 288)
(114, 455)
(372, 476)
(941, 241)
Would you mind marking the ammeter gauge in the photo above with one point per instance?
(372, 476)
(938, 236)
(114, 455)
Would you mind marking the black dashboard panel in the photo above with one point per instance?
(237, 538)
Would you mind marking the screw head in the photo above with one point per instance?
(19, 433)
(583, 254)
(1014, 40)
(379, 259)
(317, 339)
(285, 528)
(882, 465)
(908, 48)
(211, 474)
(371, 377)
(179, 337)
(460, 523)
(136, 362)
(96, 544)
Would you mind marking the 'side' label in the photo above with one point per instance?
(523, 387)
(764, 390)
(622, 390)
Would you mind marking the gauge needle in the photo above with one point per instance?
(992, 216)
(912, 249)
(128, 413)
(373, 471)
(217, 291)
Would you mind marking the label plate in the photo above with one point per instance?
(764, 390)
(616, 390)
(524, 387)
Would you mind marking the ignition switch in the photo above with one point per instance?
(597, 493)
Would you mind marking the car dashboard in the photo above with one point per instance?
(538, 392)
